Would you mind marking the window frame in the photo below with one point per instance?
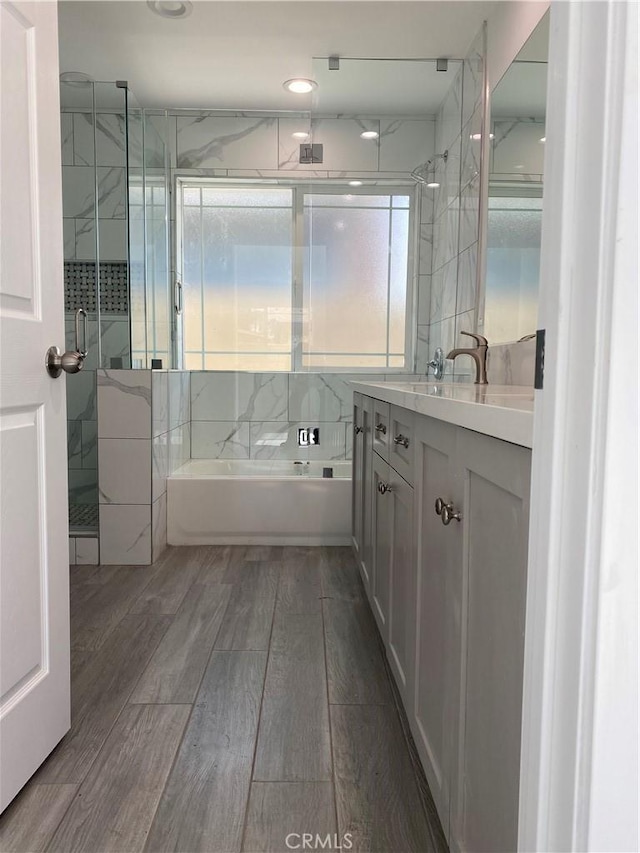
(299, 188)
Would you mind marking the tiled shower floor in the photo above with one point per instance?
(83, 517)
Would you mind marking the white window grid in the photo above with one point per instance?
(301, 188)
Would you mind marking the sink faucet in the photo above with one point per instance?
(437, 364)
(477, 353)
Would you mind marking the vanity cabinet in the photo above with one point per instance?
(447, 585)
(362, 485)
(492, 483)
(439, 557)
(357, 497)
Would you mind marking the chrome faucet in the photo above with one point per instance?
(477, 353)
(437, 364)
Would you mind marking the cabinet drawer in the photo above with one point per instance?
(401, 442)
(381, 428)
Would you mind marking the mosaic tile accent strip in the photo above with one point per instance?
(83, 516)
(80, 287)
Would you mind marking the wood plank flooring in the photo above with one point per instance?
(224, 699)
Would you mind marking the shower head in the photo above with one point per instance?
(426, 173)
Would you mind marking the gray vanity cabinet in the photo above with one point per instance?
(434, 713)
(492, 481)
(362, 486)
(449, 600)
(381, 525)
(357, 496)
(402, 610)
(393, 585)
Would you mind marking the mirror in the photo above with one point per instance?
(514, 216)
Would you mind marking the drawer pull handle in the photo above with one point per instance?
(383, 488)
(357, 430)
(401, 439)
(447, 512)
(381, 428)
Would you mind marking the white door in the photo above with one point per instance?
(34, 599)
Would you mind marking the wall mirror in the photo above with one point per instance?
(515, 198)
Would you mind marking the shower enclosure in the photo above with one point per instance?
(115, 246)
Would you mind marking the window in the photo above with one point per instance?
(285, 278)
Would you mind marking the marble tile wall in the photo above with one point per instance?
(143, 436)
(83, 165)
(124, 466)
(512, 364)
(245, 145)
(456, 218)
(93, 155)
(84, 551)
(255, 145)
(171, 442)
(257, 415)
(517, 152)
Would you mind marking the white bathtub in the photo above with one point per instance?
(259, 502)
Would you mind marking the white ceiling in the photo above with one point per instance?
(392, 87)
(236, 54)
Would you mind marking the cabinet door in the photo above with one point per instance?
(357, 481)
(433, 714)
(366, 550)
(381, 529)
(402, 610)
(492, 491)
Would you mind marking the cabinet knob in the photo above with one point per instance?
(383, 488)
(357, 430)
(401, 439)
(381, 428)
(446, 511)
(449, 513)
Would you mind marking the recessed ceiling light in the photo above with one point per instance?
(301, 134)
(543, 139)
(369, 134)
(433, 185)
(300, 85)
(171, 8)
(355, 183)
(76, 78)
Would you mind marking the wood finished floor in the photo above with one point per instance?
(221, 699)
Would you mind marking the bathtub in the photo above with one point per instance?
(259, 502)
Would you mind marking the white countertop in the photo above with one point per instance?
(502, 411)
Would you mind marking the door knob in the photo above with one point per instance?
(383, 488)
(381, 428)
(71, 361)
(357, 430)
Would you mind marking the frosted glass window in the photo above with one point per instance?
(513, 268)
(355, 280)
(347, 200)
(237, 280)
(240, 247)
